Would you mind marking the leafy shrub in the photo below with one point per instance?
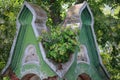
(59, 43)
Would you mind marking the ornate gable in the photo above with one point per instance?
(33, 17)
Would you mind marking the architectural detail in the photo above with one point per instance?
(28, 60)
(31, 77)
(40, 18)
(55, 66)
(33, 71)
(82, 56)
(73, 18)
(30, 55)
(83, 76)
(51, 78)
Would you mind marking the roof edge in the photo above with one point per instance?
(25, 4)
(85, 4)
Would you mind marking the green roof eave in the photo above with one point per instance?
(85, 5)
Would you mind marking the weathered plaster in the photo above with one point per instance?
(30, 55)
(82, 56)
(32, 71)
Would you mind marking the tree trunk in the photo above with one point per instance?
(55, 9)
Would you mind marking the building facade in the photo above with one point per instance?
(28, 60)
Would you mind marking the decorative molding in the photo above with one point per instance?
(39, 18)
(29, 72)
(82, 56)
(94, 36)
(36, 17)
(72, 18)
(34, 69)
(30, 55)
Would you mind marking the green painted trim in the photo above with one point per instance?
(86, 37)
(21, 35)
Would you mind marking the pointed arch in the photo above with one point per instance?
(30, 55)
(31, 77)
(82, 56)
(83, 76)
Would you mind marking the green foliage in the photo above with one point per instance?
(56, 9)
(59, 43)
(6, 78)
(107, 27)
(8, 12)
